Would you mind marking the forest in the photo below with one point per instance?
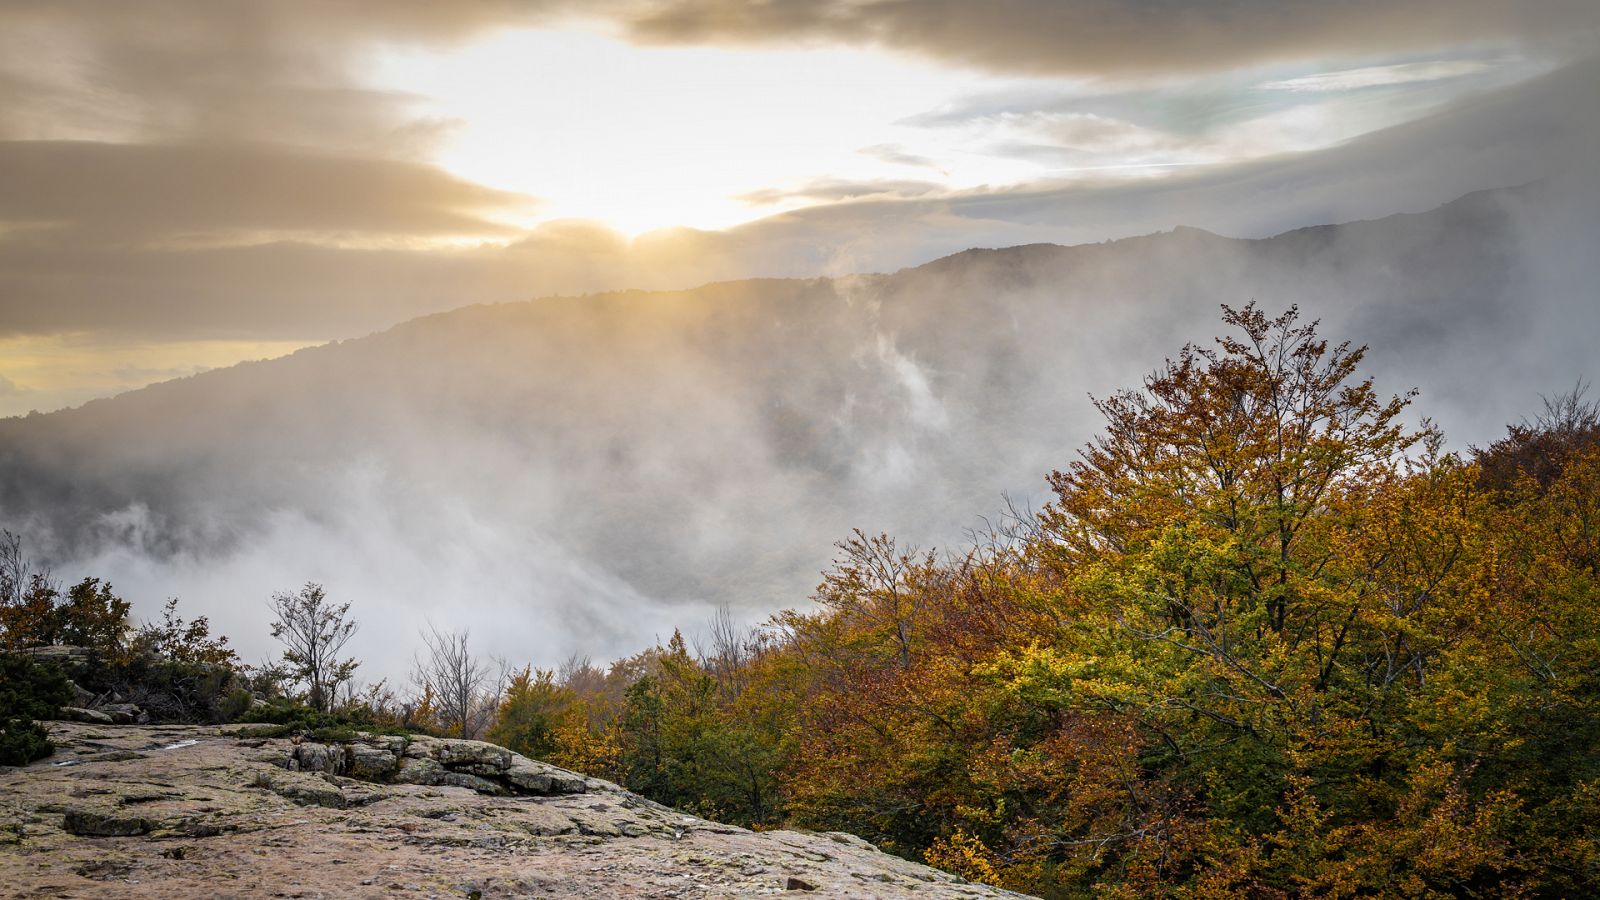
(1269, 638)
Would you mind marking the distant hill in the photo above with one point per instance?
(582, 472)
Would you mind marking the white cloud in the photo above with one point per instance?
(1381, 76)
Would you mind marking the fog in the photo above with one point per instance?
(583, 474)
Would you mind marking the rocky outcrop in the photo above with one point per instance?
(151, 811)
(482, 767)
(72, 660)
(80, 714)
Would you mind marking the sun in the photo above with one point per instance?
(641, 138)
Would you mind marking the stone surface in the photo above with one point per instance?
(79, 714)
(80, 696)
(155, 811)
(72, 659)
(123, 713)
(98, 823)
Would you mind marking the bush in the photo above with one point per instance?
(176, 671)
(297, 718)
(28, 691)
(174, 691)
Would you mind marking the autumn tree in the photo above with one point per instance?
(314, 631)
(184, 641)
(90, 615)
(1537, 450)
(873, 581)
(1264, 565)
(1268, 640)
(34, 611)
(533, 714)
(680, 744)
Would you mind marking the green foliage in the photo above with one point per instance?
(28, 691)
(91, 616)
(532, 714)
(22, 741)
(313, 630)
(297, 718)
(176, 671)
(680, 744)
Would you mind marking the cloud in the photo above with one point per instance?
(1523, 133)
(285, 71)
(151, 191)
(834, 190)
(1380, 76)
(296, 289)
(1119, 37)
(894, 153)
(290, 71)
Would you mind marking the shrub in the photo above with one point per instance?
(28, 691)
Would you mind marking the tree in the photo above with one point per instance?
(181, 641)
(28, 597)
(875, 581)
(1537, 451)
(681, 744)
(17, 570)
(534, 713)
(88, 615)
(463, 694)
(314, 631)
(92, 616)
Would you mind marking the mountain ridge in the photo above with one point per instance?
(666, 452)
(936, 265)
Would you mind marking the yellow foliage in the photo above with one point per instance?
(964, 855)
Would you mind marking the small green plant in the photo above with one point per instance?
(28, 691)
(327, 727)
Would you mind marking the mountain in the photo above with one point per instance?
(584, 473)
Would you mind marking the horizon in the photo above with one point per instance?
(285, 349)
(251, 180)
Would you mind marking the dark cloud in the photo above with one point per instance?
(1121, 37)
(154, 191)
(287, 71)
(240, 70)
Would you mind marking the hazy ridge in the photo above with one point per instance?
(585, 472)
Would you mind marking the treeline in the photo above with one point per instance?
(76, 653)
(1268, 639)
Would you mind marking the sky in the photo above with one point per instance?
(185, 184)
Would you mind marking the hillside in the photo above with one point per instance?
(584, 473)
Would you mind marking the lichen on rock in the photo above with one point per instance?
(160, 811)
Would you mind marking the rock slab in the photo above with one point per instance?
(157, 811)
